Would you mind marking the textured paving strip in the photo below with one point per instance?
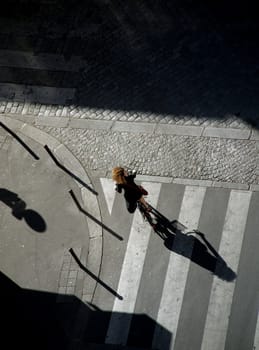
(175, 156)
(40, 94)
(22, 59)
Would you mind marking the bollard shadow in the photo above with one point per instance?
(103, 284)
(28, 149)
(92, 217)
(192, 245)
(42, 320)
(61, 166)
(33, 219)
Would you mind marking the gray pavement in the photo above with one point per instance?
(196, 288)
(35, 242)
(175, 99)
(40, 223)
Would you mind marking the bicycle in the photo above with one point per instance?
(146, 214)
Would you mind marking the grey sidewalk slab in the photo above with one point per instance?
(37, 138)
(226, 133)
(231, 185)
(255, 135)
(254, 188)
(32, 253)
(192, 182)
(39, 94)
(23, 59)
(58, 122)
(161, 179)
(90, 124)
(179, 130)
(134, 127)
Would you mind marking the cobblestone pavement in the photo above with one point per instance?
(164, 155)
(83, 73)
(176, 62)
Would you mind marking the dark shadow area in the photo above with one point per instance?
(192, 245)
(93, 218)
(47, 321)
(103, 284)
(28, 149)
(33, 219)
(183, 58)
(68, 171)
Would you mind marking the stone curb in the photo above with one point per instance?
(140, 127)
(202, 183)
(71, 278)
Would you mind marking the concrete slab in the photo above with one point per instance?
(254, 188)
(56, 122)
(227, 133)
(179, 130)
(90, 124)
(39, 94)
(43, 61)
(150, 178)
(255, 135)
(231, 185)
(34, 243)
(134, 127)
(192, 182)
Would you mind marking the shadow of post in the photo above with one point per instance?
(34, 155)
(103, 284)
(92, 217)
(61, 166)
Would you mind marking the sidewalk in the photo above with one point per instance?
(35, 242)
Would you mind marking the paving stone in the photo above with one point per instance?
(199, 158)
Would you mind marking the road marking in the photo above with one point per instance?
(177, 271)
(256, 339)
(40, 94)
(216, 325)
(109, 192)
(43, 61)
(131, 272)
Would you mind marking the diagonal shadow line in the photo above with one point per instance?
(68, 171)
(71, 251)
(28, 149)
(93, 218)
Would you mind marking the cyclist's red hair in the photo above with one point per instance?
(118, 175)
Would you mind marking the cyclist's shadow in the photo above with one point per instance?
(192, 245)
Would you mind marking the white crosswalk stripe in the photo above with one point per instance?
(178, 268)
(131, 272)
(256, 338)
(220, 294)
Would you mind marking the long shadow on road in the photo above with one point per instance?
(192, 245)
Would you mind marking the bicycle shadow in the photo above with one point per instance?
(19, 211)
(192, 245)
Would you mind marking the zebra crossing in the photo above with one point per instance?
(184, 289)
(42, 78)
